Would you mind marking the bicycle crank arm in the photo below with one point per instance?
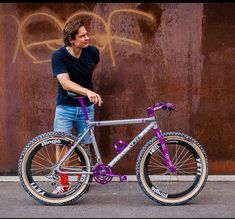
(122, 178)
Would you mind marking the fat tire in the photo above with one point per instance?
(23, 178)
(141, 178)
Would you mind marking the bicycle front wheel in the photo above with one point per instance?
(36, 164)
(172, 188)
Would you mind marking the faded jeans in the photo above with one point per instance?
(66, 116)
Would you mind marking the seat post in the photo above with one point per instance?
(84, 109)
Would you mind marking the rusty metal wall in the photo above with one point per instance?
(181, 53)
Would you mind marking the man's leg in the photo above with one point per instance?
(60, 152)
(80, 125)
(63, 122)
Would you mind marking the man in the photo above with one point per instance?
(73, 66)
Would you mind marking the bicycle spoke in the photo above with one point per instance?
(41, 156)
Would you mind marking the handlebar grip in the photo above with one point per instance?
(170, 106)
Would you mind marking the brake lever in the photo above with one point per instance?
(165, 106)
(170, 107)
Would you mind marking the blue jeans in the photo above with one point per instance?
(66, 116)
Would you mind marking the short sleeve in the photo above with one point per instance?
(95, 54)
(57, 64)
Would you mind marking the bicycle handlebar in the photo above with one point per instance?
(158, 106)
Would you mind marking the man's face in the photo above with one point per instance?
(81, 39)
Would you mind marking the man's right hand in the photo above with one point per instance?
(94, 98)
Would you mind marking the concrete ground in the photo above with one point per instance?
(119, 200)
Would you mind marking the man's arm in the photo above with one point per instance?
(69, 85)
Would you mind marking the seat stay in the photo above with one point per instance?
(81, 136)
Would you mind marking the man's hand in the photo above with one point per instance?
(94, 98)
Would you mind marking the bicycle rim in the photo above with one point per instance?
(164, 187)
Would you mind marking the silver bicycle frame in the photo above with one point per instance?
(90, 128)
(153, 125)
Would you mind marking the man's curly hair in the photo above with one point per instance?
(71, 29)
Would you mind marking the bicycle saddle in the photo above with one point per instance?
(73, 95)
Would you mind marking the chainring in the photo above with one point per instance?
(102, 174)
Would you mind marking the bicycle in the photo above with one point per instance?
(171, 168)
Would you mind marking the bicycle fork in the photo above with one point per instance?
(164, 150)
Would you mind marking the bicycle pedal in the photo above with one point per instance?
(123, 178)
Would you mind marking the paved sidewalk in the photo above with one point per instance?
(119, 200)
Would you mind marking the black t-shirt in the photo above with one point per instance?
(79, 69)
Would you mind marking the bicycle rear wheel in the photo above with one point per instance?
(164, 187)
(36, 163)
